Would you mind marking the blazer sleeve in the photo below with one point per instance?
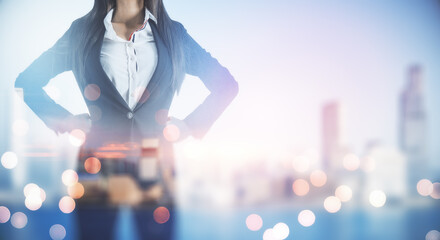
(55, 60)
(216, 78)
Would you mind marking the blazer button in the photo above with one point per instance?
(129, 115)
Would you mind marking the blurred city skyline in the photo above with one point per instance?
(327, 90)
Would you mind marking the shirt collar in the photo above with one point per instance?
(110, 32)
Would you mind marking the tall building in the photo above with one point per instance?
(333, 139)
(413, 127)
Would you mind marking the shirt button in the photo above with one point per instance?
(130, 44)
(129, 115)
(132, 58)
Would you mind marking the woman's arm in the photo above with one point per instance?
(217, 79)
(50, 63)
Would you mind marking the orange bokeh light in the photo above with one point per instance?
(161, 215)
(76, 191)
(92, 165)
(300, 187)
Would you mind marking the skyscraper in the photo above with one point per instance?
(413, 124)
(332, 135)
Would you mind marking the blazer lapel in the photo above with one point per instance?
(163, 63)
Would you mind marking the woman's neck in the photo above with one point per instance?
(129, 12)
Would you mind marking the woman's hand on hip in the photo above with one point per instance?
(183, 130)
(79, 121)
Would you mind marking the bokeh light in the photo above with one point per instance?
(301, 163)
(435, 190)
(76, 190)
(57, 232)
(69, 177)
(77, 137)
(306, 218)
(42, 195)
(9, 160)
(344, 193)
(33, 203)
(20, 127)
(92, 165)
(377, 198)
(92, 92)
(351, 162)
(19, 220)
(318, 178)
(300, 187)
(161, 215)
(281, 231)
(254, 222)
(269, 234)
(433, 235)
(32, 189)
(67, 204)
(425, 187)
(332, 204)
(171, 132)
(5, 214)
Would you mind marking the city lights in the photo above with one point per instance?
(254, 222)
(377, 198)
(300, 187)
(425, 187)
(19, 220)
(332, 204)
(5, 214)
(57, 232)
(76, 190)
(35, 196)
(269, 234)
(436, 190)
(281, 231)
(69, 177)
(92, 92)
(31, 189)
(306, 218)
(161, 215)
(318, 178)
(171, 132)
(66, 204)
(9, 160)
(92, 165)
(344, 193)
(33, 203)
(433, 235)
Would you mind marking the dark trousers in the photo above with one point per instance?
(99, 222)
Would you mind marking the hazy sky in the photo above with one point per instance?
(289, 57)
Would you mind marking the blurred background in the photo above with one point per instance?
(335, 132)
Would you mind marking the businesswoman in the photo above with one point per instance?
(129, 58)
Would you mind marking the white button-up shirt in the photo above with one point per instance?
(129, 64)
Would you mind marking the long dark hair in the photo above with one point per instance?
(93, 20)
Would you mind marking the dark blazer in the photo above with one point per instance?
(112, 119)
